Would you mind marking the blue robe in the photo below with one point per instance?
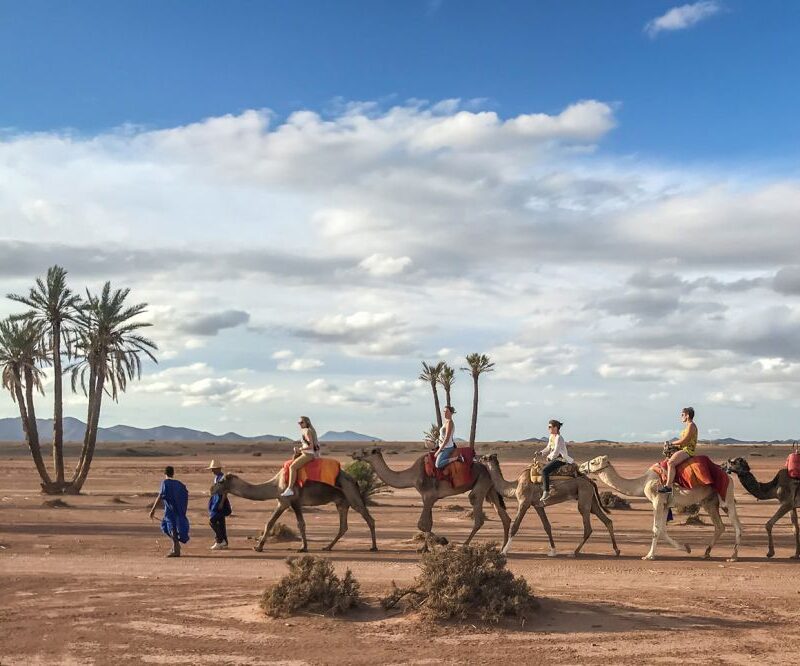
(176, 501)
(215, 507)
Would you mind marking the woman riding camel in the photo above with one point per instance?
(556, 454)
(686, 443)
(447, 445)
(306, 452)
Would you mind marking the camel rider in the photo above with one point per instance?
(687, 445)
(219, 508)
(306, 452)
(447, 445)
(556, 454)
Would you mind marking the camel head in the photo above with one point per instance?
(594, 465)
(222, 485)
(490, 459)
(736, 466)
(365, 454)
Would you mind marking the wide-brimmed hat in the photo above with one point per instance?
(214, 464)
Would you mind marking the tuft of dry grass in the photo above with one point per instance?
(689, 509)
(55, 504)
(368, 482)
(611, 501)
(117, 500)
(453, 507)
(470, 582)
(281, 532)
(311, 585)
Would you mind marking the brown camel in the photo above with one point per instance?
(313, 493)
(783, 488)
(432, 491)
(580, 489)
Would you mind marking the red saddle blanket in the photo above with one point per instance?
(695, 472)
(324, 470)
(458, 473)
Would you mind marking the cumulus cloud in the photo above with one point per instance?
(362, 393)
(361, 333)
(520, 362)
(288, 361)
(214, 322)
(380, 264)
(729, 400)
(683, 17)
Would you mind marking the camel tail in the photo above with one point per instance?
(604, 509)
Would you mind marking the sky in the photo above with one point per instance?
(315, 197)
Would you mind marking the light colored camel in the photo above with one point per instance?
(313, 493)
(783, 488)
(647, 486)
(431, 491)
(527, 494)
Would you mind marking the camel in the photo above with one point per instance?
(313, 493)
(783, 488)
(527, 494)
(431, 491)
(647, 486)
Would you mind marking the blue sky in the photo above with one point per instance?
(314, 197)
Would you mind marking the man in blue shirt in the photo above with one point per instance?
(218, 509)
(175, 498)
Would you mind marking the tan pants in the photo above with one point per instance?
(301, 461)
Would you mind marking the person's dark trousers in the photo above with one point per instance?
(549, 468)
(220, 532)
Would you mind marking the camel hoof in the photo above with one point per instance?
(552, 553)
(374, 549)
(706, 555)
(649, 557)
(258, 549)
(327, 548)
(772, 554)
(733, 559)
(616, 552)
(687, 548)
(796, 556)
(303, 550)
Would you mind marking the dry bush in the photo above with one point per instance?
(369, 484)
(689, 509)
(453, 507)
(311, 585)
(281, 532)
(55, 504)
(470, 582)
(694, 519)
(611, 501)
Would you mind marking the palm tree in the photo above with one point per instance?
(109, 353)
(20, 357)
(477, 364)
(447, 377)
(53, 307)
(430, 374)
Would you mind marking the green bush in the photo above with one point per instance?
(368, 482)
(311, 585)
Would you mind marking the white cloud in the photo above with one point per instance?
(362, 393)
(288, 361)
(381, 265)
(682, 17)
(729, 400)
(518, 362)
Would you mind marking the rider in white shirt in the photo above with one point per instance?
(556, 454)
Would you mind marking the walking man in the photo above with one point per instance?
(219, 508)
(175, 498)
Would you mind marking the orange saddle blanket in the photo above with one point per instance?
(457, 473)
(695, 472)
(323, 470)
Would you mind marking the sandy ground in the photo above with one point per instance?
(88, 583)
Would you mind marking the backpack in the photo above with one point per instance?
(793, 463)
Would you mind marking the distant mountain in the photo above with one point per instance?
(347, 436)
(11, 431)
(535, 439)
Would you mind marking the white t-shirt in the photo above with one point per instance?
(556, 448)
(450, 442)
(306, 445)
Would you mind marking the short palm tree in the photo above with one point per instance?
(430, 373)
(477, 364)
(20, 359)
(53, 307)
(447, 377)
(109, 352)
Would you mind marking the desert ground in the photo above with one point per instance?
(88, 583)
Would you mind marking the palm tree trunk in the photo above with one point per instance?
(436, 404)
(474, 426)
(447, 395)
(31, 435)
(90, 436)
(58, 408)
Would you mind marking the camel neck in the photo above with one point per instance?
(254, 491)
(633, 487)
(406, 478)
(505, 488)
(754, 487)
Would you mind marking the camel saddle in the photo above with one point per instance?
(322, 470)
(566, 471)
(458, 473)
(695, 472)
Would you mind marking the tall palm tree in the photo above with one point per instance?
(53, 307)
(20, 357)
(447, 377)
(109, 352)
(477, 364)
(430, 374)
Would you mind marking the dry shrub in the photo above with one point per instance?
(311, 585)
(281, 532)
(55, 504)
(430, 539)
(453, 507)
(471, 582)
(611, 501)
(117, 500)
(368, 482)
(694, 519)
(690, 509)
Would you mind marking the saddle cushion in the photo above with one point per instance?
(457, 473)
(696, 472)
(566, 471)
(322, 470)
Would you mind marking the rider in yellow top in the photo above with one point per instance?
(687, 444)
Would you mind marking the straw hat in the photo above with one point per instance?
(214, 464)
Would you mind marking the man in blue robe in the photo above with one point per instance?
(175, 498)
(219, 508)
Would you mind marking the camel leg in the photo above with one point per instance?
(425, 522)
(502, 514)
(597, 510)
(524, 505)
(587, 526)
(660, 529)
(783, 509)
(353, 496)
(730, 505)
(478, 516)
(796, 526)
(272, 520)
(343, 508)
(301, 526)
(548, 530)
(712, 509)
